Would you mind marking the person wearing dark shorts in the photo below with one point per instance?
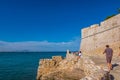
(109, 54)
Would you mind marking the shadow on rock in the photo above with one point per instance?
(107, 76)
(115, 65)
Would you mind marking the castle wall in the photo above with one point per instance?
(95, 37)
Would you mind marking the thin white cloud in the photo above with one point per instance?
(40, 46)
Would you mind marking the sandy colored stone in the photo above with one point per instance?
(70, 69)
(95, 37)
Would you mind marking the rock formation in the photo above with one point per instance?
(69, 68)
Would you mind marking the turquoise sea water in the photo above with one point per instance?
(22, 65)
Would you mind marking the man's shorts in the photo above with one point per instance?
(108, 58)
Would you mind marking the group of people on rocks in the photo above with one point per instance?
(109, 54)
(79, 53)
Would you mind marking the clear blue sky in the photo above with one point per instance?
(51, 21)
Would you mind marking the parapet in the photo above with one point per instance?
(111, 22)
(94, 26)
(104, 26)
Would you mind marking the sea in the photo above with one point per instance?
(22, 65)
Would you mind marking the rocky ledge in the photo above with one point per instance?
(70, 68)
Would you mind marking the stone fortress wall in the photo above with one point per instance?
(95, 37)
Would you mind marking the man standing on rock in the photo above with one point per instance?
(109, 54)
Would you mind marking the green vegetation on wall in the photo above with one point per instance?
(109, 16)
(118, 11)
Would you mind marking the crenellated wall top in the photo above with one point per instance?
(104, 26)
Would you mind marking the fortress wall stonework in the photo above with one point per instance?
(95, 37)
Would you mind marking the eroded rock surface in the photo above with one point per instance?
(69, 69)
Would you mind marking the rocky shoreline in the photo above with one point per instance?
(69, 68)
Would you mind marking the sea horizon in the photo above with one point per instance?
(22, 65)
(33, 51)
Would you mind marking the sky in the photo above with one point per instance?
(49, 25)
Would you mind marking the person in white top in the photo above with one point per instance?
(79, 55)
